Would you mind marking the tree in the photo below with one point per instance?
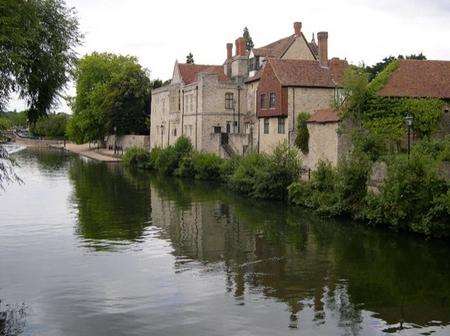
(375, 69)
(52, 126)
(112, 97)
(37, 53)
(190, 58)
(248, 40)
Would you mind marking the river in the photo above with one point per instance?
(88, 248)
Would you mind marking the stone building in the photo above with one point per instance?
(250, 102)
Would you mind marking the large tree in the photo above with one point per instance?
(112, 97)
(37, 41)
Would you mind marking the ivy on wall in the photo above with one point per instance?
(302, 139)
(384, 117)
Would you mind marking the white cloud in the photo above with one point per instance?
(160, 32)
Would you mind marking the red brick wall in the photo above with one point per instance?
(267, 84)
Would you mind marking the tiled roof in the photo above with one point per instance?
(302, 73)
(337, 68)
(324, 116)
(314, 48)
(275, 49)
(416, 78)
(189, 72)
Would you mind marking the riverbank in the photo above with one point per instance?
(103, 155)
(85, 150)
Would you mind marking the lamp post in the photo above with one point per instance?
(409, 122)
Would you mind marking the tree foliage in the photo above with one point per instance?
(112, 97)
(190, 58)
(37, 56)
(248, 39)
(52, 126)
(375, 69)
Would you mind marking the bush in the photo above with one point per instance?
(168, 159)
(334, 191)
(207, 166)
(137, 157)
(280, 171)
(228, 167)
(413, 197)
(243, 178)
(267, 176)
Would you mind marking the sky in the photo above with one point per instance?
(160, 32)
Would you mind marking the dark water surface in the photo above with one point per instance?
(93, 249)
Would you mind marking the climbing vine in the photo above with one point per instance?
(302, 139)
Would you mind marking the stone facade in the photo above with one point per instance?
(205, 102)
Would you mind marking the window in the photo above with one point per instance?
(174, 132)
(263, 101)
(266, 126)
(281, 124)
(229, 98)
(273, 100)
(192, 103)
(217, 129)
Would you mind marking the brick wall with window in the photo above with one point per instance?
(272, 97)
(229, 100)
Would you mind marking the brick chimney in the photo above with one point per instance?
(297, 29)
(322, 38)
(240, 46)
(229, 50)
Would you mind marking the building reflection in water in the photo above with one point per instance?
(318, 268)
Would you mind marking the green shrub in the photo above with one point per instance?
(186, 167)
(228, 167)
(137, 157)
(168, 159)
(436, 148)
(280, 171)
(207, 166)
(413, 197)
(244, 176)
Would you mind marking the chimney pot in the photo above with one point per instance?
(229, 50)
(297, 28)
(322, 38)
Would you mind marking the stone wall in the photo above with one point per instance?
(159, 118)
(323, 144)
(128, 141)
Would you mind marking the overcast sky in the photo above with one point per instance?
(159, 32)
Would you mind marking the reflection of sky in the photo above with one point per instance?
(72, 289)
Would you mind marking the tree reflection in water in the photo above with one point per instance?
(12, 319)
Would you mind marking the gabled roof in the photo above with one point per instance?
(275, 49)
(419, 78)
(189, 72)
(302, 73)
(328, 115)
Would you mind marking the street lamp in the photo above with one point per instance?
(409, 122)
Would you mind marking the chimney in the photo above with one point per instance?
(229, 50)
(297, 29)
(322, 38)
(240, 46)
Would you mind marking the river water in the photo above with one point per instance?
(88, 248)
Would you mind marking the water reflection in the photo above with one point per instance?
(172, 257)
(321, 270)
(112, 205)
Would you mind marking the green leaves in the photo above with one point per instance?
(302, 139)
(112, 97)
(37, 56)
